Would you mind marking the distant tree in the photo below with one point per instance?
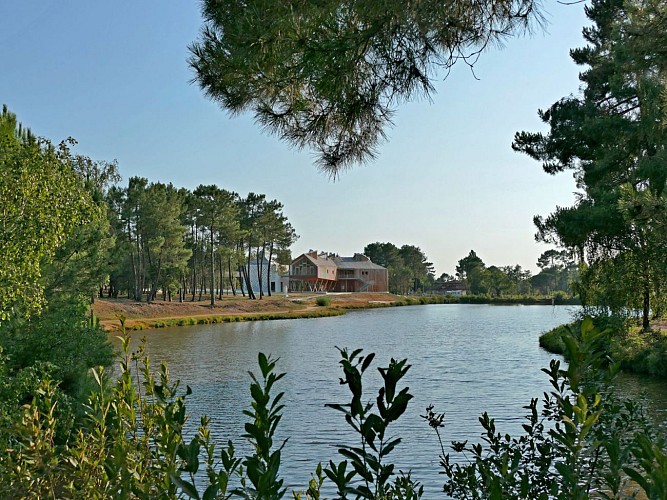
(384, 254)
(519, 280)
(329, 74)
(251, 209)
(150, 218)
(420, 269)
(497, 281)
(444, 278)
(408, 267)
(97, 176)
(218, 213)
(468, 264)
(274, 232)
(558, 272)
(278, 236)
(554, 258)
(388, 255)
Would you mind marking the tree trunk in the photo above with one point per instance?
(646, 325)
(212, 271)
(268, 270)
(246, 278)
(194, 263)
(242, 280)
(221, 276)
(231, 278)
(260, 271)
(246, 273)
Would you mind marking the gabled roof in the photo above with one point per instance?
(332, 261)
(318, 261)
(453, 285)
(354, 263)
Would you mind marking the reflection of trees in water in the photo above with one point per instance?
(650, 391)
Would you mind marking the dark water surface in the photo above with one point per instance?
(465, 359)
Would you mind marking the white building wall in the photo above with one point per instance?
(278, 284)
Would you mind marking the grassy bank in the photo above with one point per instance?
(637, 352)
(161, 314)
(211, 320)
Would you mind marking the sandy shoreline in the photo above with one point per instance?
(141, 315)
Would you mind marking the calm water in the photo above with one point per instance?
(466, 359)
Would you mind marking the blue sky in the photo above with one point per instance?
(114, 76)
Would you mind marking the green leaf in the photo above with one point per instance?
(185, 486)
(211, 492)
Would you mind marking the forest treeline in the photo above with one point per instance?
(149, 240)
(179, 242)
(70, 229)
(411, 272)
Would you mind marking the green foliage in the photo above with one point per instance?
(323, 301)
(651, 471)
(42, 202)
(328, 75)
(552, 340)
(60, 345)
(635, 351)
(408, 267)
(583, 442)
(263, 465)
(558, 272)
(492, 281)
(62, 336)
(201, 241)
(612, 136)
(216, 210)
(641, 353)
(369, 458)
(81, 264)
(314, 486)
(467, 265)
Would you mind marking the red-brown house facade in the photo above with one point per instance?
(325, 272)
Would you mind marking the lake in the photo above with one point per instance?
(465, 359)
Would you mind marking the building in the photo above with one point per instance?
(454, 287)
(326, 272)
(276, 284)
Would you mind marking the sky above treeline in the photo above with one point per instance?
(114, 76)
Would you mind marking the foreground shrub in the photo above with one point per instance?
(60, 346)
(582, 443)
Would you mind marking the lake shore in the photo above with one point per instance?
(637, 351)
(160, 314)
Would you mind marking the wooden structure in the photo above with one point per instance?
(453, 287)
(322, 272)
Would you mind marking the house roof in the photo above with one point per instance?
(453, 285)
(334, 261)
(318, 261)
(354, 263)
